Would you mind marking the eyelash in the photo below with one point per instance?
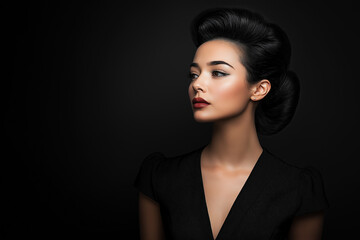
(222, 74)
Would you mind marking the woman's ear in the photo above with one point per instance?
(260, 89)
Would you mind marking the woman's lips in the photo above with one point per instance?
(200, 105)
(199, 102)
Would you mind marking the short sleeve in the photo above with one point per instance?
(311, 192)
(145, 180)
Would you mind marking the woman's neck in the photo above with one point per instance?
(234, 143)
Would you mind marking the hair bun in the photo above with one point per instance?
(276, 110)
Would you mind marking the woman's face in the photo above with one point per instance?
(218, 76)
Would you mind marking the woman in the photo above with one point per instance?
(233, 187)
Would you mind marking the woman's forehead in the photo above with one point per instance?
(218, 49)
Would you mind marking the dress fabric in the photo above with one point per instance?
(274, 193)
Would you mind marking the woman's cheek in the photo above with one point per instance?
(231, 95)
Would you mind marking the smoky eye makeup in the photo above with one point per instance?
(191, 75)
(214, 73)
(217, 73)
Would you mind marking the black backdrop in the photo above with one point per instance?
(92, 88)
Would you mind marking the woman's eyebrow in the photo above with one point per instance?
(212, 63)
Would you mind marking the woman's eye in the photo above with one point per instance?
(192, 76)
(219, 74)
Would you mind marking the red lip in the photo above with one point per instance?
(199, 100)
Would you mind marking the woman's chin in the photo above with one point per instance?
(203, 118)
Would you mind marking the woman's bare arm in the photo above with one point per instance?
(151, 227)
(307, 227)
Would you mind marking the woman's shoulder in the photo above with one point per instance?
(302, 182)
(158, 171)
(162, 160)
(290, 174)
(289, 166)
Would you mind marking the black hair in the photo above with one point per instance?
(266, 55)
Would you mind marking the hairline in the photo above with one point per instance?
(243, 50)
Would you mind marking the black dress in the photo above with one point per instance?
(274, 193)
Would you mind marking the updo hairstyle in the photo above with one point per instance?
(266, 55)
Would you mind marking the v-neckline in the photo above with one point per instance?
(233, 206)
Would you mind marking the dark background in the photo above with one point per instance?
(93, 88)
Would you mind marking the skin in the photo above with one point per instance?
(151, 226)
(226, 162)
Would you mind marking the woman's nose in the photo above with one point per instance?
(198, 84)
